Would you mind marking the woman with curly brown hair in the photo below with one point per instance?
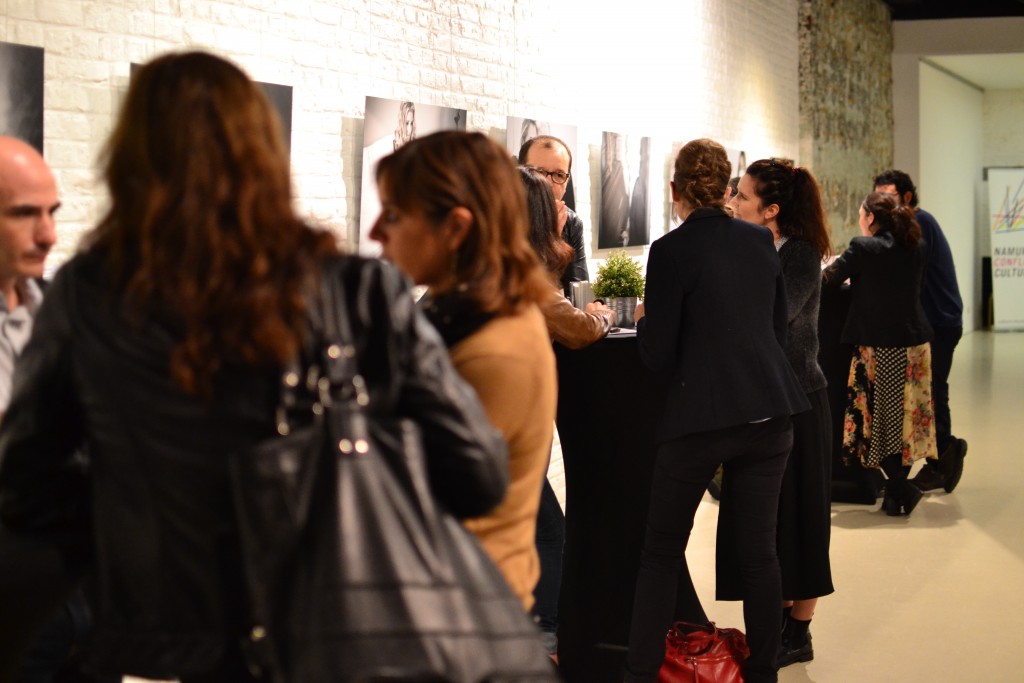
(160, 350)
(890, 420)
(713, 320)
(454, 219)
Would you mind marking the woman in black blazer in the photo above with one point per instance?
(714, 322)
(890, 375)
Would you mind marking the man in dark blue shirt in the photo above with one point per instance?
(940, 298)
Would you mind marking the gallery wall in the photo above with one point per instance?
(673, 71)
(1003, 134)
(915, 96)
(1003, 144)
(951, 117)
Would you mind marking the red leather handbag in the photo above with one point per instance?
(703, 654)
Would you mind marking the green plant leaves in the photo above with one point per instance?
(619, 275)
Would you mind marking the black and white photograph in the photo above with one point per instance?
(625, 197)
(388, 125)
(280, 97)
(738, 159)
(519, 130)
(21, 93)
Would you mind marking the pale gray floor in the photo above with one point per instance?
(938, 596)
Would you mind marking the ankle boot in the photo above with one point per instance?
(891, 503)
(911, 497)
(796, 643)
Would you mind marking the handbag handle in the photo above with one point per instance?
(333, 355)
(338, 352)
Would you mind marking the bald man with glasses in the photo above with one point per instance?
(550, 157)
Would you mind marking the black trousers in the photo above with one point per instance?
(754, 457)
(550, 542)
(943, 345)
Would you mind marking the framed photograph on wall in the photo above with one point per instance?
(624, 218)
(280, 97)
(21, 93)
(520, 129)
(388, 125)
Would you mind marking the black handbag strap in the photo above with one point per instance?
(332, 372)
(338, 349)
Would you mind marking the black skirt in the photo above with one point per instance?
(805, 519)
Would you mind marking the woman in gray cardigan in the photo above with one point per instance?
(786, 200)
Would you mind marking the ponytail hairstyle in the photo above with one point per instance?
(897, 219)
(796, 193)
(702, 173)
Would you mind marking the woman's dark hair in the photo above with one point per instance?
(796, 193)
(890, 215)
(702, 173)
(551, 249)
(201, 220)
(442, 171)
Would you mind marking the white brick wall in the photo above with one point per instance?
(1003, 135)
(720, 68)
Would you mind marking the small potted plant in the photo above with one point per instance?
(620, 282)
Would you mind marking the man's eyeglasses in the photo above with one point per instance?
(557, 177)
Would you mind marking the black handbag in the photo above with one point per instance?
(354, 573)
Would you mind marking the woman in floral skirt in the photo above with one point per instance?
(889, 416)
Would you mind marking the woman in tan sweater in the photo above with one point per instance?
(454, 219)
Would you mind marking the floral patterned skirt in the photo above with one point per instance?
(889, 405)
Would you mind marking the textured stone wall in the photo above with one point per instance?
(846, 121)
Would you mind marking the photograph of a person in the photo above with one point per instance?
(738, 161)
(388, 125)
(624, 220)
(520, 130)
(21, 93)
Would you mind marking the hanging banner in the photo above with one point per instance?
(1006, 212)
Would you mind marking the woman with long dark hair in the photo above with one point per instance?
(712, 322)
(786, 200)
(454, 219)
(889, 415)
(567, 324)
(574, 329)
(161, 350)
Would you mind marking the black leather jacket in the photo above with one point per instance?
(164, 551)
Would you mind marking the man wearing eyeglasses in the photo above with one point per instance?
(550, 157)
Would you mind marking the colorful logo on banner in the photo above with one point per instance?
(1006, 202)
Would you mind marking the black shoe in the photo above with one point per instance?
(929, 478)
(890, 503)
(911, 497)
(955, 454)
(715, 485)
(791, 654)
